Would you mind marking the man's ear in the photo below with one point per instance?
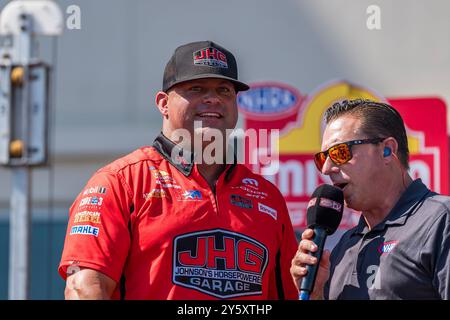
(391, 145)
(161, 101)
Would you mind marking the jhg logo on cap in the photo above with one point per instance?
(210, 57)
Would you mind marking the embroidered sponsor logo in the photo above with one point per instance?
(220, 263)
(91, 201)
(256, 196)
(266, 209)
(162, 176)
(87, 216)
(387, 247)
(96, 189)
(163, 180)
(168, 185)
(155, 193)
(88, 230)
(210, 57)
(192, 195)
(250, 182)
(252, 191)
(240, 201)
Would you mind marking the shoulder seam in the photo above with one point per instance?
(122, 166)
(441, 204)
(120, 177)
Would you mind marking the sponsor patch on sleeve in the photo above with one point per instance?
(86, 230)
(87, 216)
(94, 190)
(91, 201)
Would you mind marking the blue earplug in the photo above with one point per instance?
(387, 152)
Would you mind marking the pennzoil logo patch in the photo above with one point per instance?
(220, 263)
(210, 57)
(266, 209)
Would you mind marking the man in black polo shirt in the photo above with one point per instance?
(400, 247)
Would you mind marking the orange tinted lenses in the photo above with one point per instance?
(339, 154)
(319, 160)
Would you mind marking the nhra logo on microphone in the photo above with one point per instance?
(210, 57)
(326, 203)
(220, 263)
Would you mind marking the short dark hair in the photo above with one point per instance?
(378, 120)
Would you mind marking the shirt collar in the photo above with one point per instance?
(405, 206)
(183, 159)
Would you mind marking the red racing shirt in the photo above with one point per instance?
(152, 223)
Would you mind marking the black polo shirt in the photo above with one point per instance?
(404, 257)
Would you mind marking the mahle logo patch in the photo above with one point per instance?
(220, 263)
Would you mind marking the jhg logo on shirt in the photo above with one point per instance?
(220, 263)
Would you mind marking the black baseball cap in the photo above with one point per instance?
(198, 60)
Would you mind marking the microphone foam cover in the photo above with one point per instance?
(325, 208)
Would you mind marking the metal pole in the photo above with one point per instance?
(19, 234)
(23, 138)
(21, 189)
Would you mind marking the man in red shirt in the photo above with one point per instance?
(163, 223)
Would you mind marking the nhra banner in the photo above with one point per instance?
(299, 119)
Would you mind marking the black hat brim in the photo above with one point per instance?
(239, 86)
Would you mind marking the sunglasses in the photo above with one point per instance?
(341, 153)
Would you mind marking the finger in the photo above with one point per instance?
(307, 245)
(307, 234)
(298, 271)
(302, 259)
